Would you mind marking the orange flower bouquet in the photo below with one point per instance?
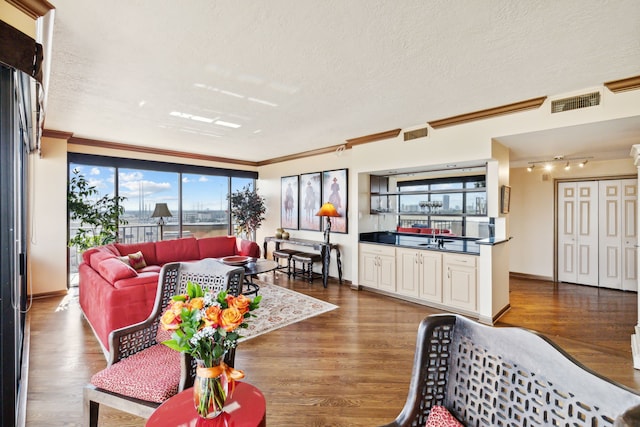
(206, 326)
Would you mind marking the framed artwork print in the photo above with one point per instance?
(505, 199)
(334, 190)
(289, 211)
(310, 197)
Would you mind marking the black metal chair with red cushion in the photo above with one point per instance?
(141, 372)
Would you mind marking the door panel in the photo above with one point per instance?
(618, 234)
(578, 232)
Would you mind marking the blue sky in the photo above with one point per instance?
(143, 188)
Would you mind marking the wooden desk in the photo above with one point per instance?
(323, 248)
(246, 407)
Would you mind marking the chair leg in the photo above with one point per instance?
(91, 411)
(310, 272)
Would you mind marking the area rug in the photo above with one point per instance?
(281, 307)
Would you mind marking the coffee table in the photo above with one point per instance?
(252, 269)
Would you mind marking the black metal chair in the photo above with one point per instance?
(141, 372)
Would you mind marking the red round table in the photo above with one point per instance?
(246, 408)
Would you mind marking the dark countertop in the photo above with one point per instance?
(450, 244)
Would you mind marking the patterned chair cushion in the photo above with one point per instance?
(439, 416)
(152, 374)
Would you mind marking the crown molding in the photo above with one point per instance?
(58, 134)
(302, 155)
(622, 85)
(148, 150)
(32, 8)
(373, 137)
(490, 112)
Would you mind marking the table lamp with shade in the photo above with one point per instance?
(329, 211)
(161, 211)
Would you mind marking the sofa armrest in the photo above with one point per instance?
(247, 248)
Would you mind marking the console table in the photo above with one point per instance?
(322, 247)
(246, 407)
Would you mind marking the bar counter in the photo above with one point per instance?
(442, 243)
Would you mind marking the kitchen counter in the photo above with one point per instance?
(441, 243)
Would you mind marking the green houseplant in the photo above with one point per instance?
(99, 218)
(247, 209)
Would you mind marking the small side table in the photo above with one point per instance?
(246, 407)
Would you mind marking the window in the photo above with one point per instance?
(204, 205)
(456, 203)
(195, 195)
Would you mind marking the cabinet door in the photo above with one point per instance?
(431, 276)
(369, 269)
(460, 283)
(408, 272)
(387, 273)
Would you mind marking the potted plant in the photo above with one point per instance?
(99, 218)
(247, 210)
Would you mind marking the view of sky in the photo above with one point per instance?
(144, 188)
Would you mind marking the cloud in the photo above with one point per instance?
(94, 171)
(133, 176)
(203, 179)
(185, 180)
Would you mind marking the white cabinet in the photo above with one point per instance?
(448, 280)
(460, 281)
(378, 267)
(419, 274)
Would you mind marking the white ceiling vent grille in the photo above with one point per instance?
(575, 102)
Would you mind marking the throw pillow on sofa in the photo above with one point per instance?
(136, 260)
(112, 269)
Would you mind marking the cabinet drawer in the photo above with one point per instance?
(455, 259)
(378, 249)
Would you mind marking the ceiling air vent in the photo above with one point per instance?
(575, 102)
(413, 134)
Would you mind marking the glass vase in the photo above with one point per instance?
(210, 389)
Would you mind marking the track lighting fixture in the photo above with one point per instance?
(548, 164)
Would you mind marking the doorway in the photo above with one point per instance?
(597, 233)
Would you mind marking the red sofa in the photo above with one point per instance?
(114, 294)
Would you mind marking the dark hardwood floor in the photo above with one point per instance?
(347, 367)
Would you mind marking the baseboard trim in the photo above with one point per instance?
(529, 276)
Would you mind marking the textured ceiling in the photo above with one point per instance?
(298, 75)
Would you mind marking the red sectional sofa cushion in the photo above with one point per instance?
(148, 250)
(217, 247)
(176, 250)
(98, 256)
(138, 279)
(112, 269)
(110, 248)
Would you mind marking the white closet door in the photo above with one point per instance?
(578, 232)
(618, 234)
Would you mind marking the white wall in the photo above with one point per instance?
(47, 223)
